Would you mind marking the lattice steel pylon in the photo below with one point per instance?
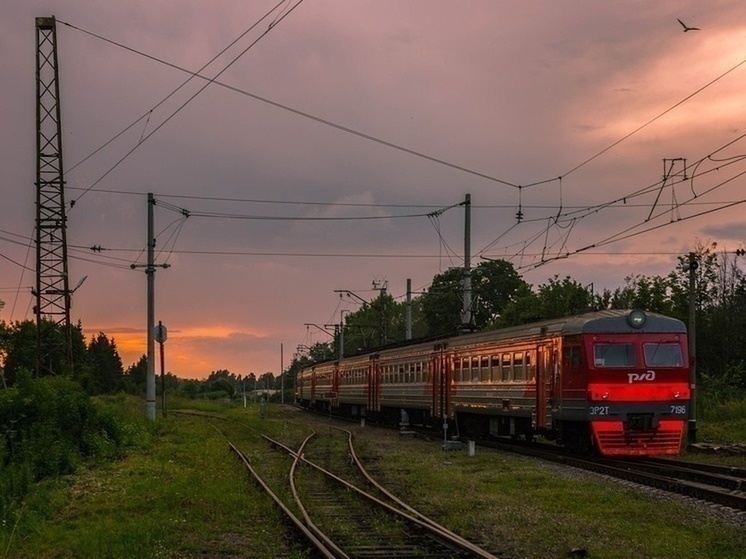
(52, 289)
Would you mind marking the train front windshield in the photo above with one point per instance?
(663, 354)
(614, 355)
(655, 354)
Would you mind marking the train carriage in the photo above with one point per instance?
(404, 384)
(354, 380)
(614, 380)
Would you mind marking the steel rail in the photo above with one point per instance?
(298, 501)
(428, 526)
(466, 544)
(320, 547)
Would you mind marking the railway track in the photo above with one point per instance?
(722, 486)
(341, 520)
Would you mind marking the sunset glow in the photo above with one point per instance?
(271, 182)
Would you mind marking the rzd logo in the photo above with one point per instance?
(634, 377)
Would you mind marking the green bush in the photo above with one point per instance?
(47, 427)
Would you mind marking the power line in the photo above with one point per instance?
(190, 99)
(432, 207)
(309, 116)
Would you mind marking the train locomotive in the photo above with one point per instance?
(614, 381)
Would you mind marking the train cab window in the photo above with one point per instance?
(518, 370)
(663, 355)
(506, 367)
(484, 369)
(614, 355)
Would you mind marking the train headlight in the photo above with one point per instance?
(636, 318)
(676, 394)
(605, 395)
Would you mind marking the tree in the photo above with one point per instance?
(106, 370)
(554, 299)
(642, 292)
(266, 382)
(19, 341)
(495, 285)
(443, 301)
(372, 325)
(136, 376)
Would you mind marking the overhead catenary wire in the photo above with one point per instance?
(324, 203)
(573, 216)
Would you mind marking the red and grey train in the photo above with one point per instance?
(615, 381)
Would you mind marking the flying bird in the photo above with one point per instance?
(687, 28)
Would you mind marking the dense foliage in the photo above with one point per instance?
(47, 427)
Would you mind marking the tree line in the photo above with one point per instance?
(500, 298)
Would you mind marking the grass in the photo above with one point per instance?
(722, 422)
(181, 494)
(529, 509)
(178, 493)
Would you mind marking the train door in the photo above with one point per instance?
(336, 373)
(439, 382)
(374, 386)
(545, 379)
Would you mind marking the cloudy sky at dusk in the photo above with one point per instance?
(331, 131)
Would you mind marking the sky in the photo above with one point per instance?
(327, 150)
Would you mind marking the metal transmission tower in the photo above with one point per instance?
(52, 284)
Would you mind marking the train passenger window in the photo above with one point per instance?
(518, 370)
(457, 369)
(614, 355)
(495, 366)
(506, 367)
(465, 369)
(484, 369)
(475, 369)
(663, 355)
